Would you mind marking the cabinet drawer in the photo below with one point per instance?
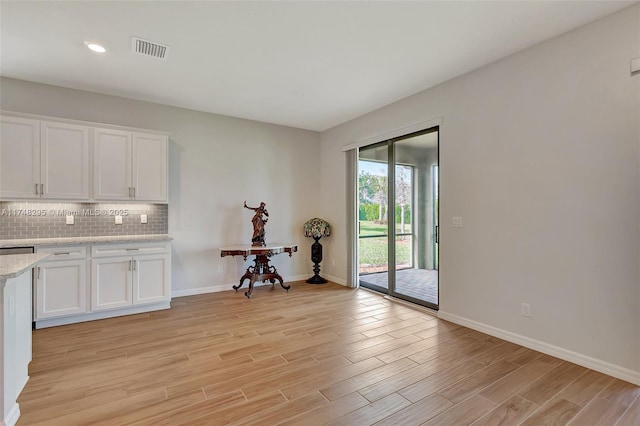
(64, 252)
(129, 249)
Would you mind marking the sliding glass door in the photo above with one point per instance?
(397, 217)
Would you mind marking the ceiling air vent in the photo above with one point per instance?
(149, 48)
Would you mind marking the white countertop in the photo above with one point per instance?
(64, 241)
(15, 264)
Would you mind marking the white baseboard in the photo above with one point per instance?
(226, 287)
(201, 290)
(619, 372)
(12, 417)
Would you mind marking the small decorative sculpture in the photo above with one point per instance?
(316, 228)
(257, 240)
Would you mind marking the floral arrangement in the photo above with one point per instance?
(317, 228)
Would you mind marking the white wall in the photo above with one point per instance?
(215, 163)
(539, 155)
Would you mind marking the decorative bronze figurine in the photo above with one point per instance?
(257, 240)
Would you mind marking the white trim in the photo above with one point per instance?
(423, 125)
(353, 241)
(617, 371)
(12, 416)
(52, 322)
(226, 287)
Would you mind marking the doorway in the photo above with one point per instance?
(398, 217)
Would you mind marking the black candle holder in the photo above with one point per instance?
(316, 258)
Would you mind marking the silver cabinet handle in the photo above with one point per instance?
(130, 267)
(129, 192)
(36, 189)
(134, 264)
(42, 189)
(38, 272)
(61, 254)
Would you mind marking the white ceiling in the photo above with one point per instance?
(304, 64)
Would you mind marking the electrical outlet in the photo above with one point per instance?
(118, 220)
(456, 221)
(143, 218)
(70, 219)
(526, 310)
(220, 268)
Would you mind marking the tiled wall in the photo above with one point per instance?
(19, 220)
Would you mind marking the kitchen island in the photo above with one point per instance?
(15, 330)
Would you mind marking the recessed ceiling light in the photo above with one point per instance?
(95, 47)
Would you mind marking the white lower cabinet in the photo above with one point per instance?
(61, 283)
(151, 278)
(130, 280)
(111, 283)
(123, 279)
(61, 288)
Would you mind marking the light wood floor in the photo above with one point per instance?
(316, 355)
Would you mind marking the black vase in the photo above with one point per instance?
(316, 258)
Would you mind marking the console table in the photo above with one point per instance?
(261, 270)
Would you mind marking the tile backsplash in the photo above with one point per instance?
(26, 219)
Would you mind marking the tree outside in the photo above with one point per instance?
(373, 215)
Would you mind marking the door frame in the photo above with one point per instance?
(391, 225)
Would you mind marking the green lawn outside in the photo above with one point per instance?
(374, 253)
(370, 228)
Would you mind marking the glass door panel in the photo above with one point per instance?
(373, 234)
(415, 276)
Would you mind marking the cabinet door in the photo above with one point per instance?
(19, 157)
(111, 283)
(65, 161)
(112, 165)
(61, 288)
(150, 167)
(151, 278)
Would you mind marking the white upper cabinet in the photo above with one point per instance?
(111, 164)
(43, 159)
(64, 161)
(149, 167)
(130, 166)
(19, 157)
